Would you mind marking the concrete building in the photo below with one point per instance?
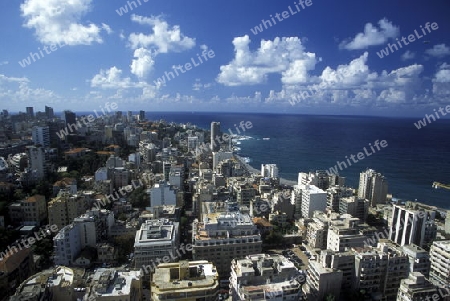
(419, 259)
(162, 194)
(15, 267)
(223, 236)
(154, 240)
(346, 233)
(317, 233)
(354, 206)
(41, 135)
(67, 245)
(334, 195)
(416, 288)
(64, 208)
(215, 132)
(379, 271)
(269, 171)
(36, 157)
(440, 263)
(373, 186)
(313, 198)
(30, 212)
(185, 281)
(265, 277)
(413, 224)
(219, 156)
(322, 281)
(114, 285)
(192, 143)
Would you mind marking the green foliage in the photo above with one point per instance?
(139, 198)
(126, 244)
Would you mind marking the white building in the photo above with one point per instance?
(67, 245)
(112, 285)
(223, 236)
(156, 239)
(440, 263)
(41, 135)
(221, 156)
(265, 277)
(269, 171)
(412, 224)
(313, 199)
(192, 143)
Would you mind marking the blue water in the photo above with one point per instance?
(412, 161)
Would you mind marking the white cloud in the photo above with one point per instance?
(142, 63)
(441, 81)
(285, 56)
(408, 55)
(18, 90)
(372, 36)
(164, 38)
(354, 84)
(111, 79)
(59, 21)
(4, 63)
(438, 51)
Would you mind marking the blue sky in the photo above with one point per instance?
(321, 59)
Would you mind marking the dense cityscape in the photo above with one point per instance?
(113, 206)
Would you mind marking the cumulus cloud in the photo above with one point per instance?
(142, 63)
(164, 39)
(438, 51)
(372, 36)
(59, 21)
(284, 56)
(17, 89)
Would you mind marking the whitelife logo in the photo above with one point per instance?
(411, 38)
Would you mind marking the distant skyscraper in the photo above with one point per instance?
(49, 112)
(30, 112)
(141, 115)
(70, 117)
(373, 186)
(41, 135)
(215, 132)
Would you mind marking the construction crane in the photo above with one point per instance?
(437, 185)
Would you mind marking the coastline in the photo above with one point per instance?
(251, 170)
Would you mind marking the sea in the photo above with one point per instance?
(412, 160)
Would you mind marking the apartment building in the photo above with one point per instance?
(440, 263)
(265, 277)
(185, 281)
(65, 207)
(313, 198)
(373, 186)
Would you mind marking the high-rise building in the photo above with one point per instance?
(269, 170)
(192, 143)
(36, 157)
(141, 115)
(380, 270)
(412, 224)
(30, 112)
(70, 118)
(313, 198)
(49, 112)
(440, 263)
(41, 135)
(64, 208)
(373, 186)
(215, 132)
(354, 206)
(185, 281)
